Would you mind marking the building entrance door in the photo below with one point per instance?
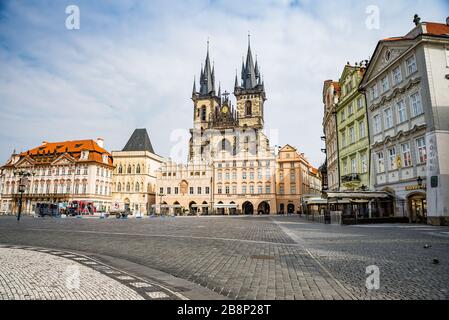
(418, 208)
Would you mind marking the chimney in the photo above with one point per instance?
(100, 142)
(44, 142)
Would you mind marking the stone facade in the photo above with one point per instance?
(231, 168)
(407, 87)
(134, 181)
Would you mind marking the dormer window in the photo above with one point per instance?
(105, 158)
(84, 155)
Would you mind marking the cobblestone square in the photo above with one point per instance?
(222, 257)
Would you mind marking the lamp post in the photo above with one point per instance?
(23, 181)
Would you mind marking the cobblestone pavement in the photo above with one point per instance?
(259, 257)
(33, 273)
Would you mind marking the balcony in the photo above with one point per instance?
(351, 178)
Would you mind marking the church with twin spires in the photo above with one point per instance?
(231, 168)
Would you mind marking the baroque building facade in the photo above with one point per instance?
(231, 166)
(407, 90)
(134, 180)
(69, 175)
(352, 130)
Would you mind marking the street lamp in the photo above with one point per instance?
(23, 181)
(419, 181)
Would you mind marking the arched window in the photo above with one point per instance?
(137, 187)
(119, 187)
(248, 108)
(129, 168)
(203, 113)
(138, 168)
(128, 186)
(120, 169)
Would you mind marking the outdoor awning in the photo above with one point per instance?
(311, 201)
(358, 195)
(221, 206)
(199, 206)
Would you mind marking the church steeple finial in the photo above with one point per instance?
(207, 80)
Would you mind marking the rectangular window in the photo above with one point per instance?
(259, 189)
(227, 175)
(259, 174)
(350, 109)
(392, 158)
(176, 190)
(421, 150)
(397, 75)
(416, 106)
(251, 175)
(168, 190)
(199, 190)
(268, 189)
(374, 92)
(351, 135)
(384, 84)
(353, 166)
(244, 175)
(406, 156)
(161, 190)
(219, 176)
(243, 189)
(402, 112)
(377, 122)
(359, 103)
(267, 174)
(207, 190)
(281, 189)
(411, 65)
(388, 118)
(362, 130)
(292, 189)
(219, 190)
(234, 189)
(380, 162)
(345, 167)
(364, 162)
(191, 190)
(342, 116)
(227, 189)
(343, 138)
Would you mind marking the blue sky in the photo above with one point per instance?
(132, 63)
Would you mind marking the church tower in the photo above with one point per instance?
(250, 94)
(206, 101)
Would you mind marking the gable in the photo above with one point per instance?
(385, 55)
(63, 160)
(25, 162)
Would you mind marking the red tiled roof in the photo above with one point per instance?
(49, 151)
(431, 28)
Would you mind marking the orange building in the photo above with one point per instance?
(295, 178)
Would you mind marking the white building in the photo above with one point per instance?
(407, 92)
(69, 174)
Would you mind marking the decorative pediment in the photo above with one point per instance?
(25, 162)
(64, 159)
(287, 147)
(385, 55)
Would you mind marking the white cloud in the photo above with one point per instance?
(132, 64)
